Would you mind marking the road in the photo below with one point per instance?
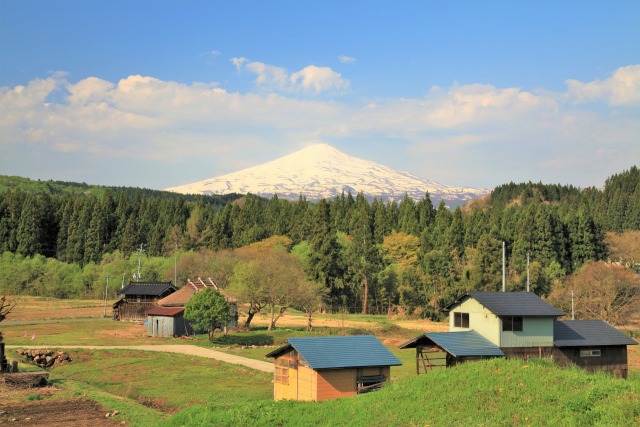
(191, 350)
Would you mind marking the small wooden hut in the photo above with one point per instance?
(179, 299)
(138, 298)
(593, 345)
(168, 322)
(323, 368)
(445, 349)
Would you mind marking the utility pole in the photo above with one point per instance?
(138, 276)
(527, 271)
(106, 290)
(573, 317)
(504, 277)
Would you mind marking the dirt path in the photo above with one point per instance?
(191, 350)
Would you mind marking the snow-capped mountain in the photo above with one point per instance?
(321, 171)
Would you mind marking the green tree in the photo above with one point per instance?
(208, 310)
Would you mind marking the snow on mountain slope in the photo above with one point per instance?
(321, 171)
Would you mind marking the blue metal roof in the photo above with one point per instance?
(586, 333)
(510, 303)
(356, 351)
(465, 343)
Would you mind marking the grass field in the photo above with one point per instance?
(496, 392)
(159, 388)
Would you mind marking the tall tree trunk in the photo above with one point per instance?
(309, 326)
(250, 314)
(365, 297)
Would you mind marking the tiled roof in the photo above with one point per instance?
(466, 343)
(584, 333)
(510, 303)
(340, 352)
(165, 311)
(146, 288)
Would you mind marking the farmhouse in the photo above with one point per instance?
(323, 368)
(593, 345)
(168, 319)
(137, 298)
(519, 324)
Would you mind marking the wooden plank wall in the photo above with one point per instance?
(336, 383)
(613, 359)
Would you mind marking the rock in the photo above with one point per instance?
(116, 412)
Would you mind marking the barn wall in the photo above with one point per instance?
(161, 326)
(307, 384)
(133, 311)
(481, 320)
(335, 383)
(613, 359)
(536, 332)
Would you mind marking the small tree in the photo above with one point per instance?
(6, 307)
(208, 310)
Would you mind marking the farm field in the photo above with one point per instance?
(150, 388)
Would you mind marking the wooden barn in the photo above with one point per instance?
(323, 368)
(179, 299)
(168, 322)
(593, 345)
(138, 298)
(445, 349)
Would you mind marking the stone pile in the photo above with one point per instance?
(45, 358)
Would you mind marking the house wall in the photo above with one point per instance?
(536, 332)
(167, 326)
(613, 359)
(481, 320)
(132, 311)
(335, 383)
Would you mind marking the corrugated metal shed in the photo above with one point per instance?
(587, 333)
(146, 288)
(356, 351)
(458, 344)
(165, 311)
(510, 303)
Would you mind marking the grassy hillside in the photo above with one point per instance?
(489, 393)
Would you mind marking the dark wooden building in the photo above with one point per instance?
(445, 349)
(593, 345)
(138, 298)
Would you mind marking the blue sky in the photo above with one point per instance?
(469, 93)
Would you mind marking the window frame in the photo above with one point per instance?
(461, 320)
(591, 352)
(512, 323)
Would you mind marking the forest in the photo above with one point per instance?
(64, 239)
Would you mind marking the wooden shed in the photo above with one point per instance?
(181, 297)
(323, 368)
(138, 298)
(168, 322)
(593, 345)
(445, 349)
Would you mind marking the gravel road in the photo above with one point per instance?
(191, 350)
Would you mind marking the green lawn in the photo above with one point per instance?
(495, 392)
(163, 382)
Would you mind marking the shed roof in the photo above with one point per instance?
(464, 343)
(165, 311)
(147, 288)
(356, 351)
(510, 304)
(580, 333)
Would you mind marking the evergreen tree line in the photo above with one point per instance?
(371, 256)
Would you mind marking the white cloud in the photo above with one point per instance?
(622, 88)
(314, 80)
(346, 59)
(476, 131)
(311, 80)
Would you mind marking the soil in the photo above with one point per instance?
(68, 413)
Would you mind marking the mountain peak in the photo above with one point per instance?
(322, 171)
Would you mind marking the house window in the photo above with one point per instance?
(592, 352)
(283, 364)
(512, 323)
(461, 320)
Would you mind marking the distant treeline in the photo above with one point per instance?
(408, 253)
